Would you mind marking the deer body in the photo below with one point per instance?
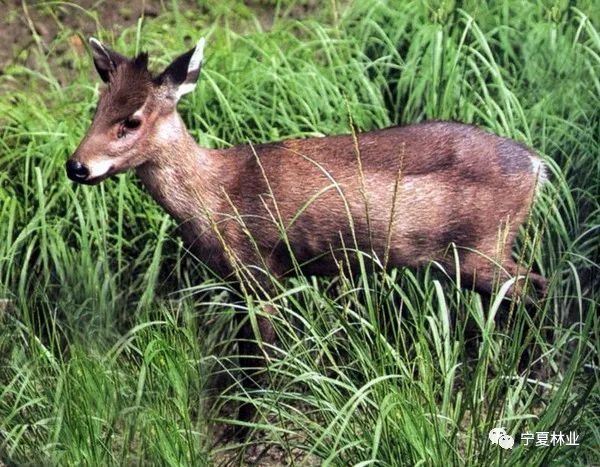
(404, 194)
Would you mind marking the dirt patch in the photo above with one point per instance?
(261, 453)
(27, 25)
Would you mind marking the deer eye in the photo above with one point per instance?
(132, 123)
(127, 125)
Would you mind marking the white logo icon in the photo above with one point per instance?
(495, 434)
(506, 442)
(500, 437)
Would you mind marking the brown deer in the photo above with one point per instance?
(402, 194)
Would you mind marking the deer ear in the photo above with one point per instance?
(182, 74)
(105, 60)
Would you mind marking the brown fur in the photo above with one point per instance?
(453, 186)
(403, 193)
(127, 91)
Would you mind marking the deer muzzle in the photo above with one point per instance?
(77, 171)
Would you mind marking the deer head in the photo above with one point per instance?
(136, 114)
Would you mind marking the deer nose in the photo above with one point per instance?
(76, 171)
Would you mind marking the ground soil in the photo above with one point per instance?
(27, 24)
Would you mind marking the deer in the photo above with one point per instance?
(411, 194)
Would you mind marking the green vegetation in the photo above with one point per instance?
(117, 345)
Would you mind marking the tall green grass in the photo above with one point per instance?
(118, 345)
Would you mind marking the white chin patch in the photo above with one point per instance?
(99, 168)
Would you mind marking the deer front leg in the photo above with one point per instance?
(253, 340)
(256, 272)
(253, 358)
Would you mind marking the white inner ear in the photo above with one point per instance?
(192, 72)
(95, 42)
(197, 57)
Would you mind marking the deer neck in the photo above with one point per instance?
(179, 174)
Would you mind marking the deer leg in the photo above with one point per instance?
(253, 359)
(485, 276)
(538, 282)
(252, 352)
(481, 279)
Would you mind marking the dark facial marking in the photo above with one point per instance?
(128, 89)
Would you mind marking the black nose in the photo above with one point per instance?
(77, 171)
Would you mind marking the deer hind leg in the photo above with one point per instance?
(486, 275)
(491, 263)
(522, 274)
